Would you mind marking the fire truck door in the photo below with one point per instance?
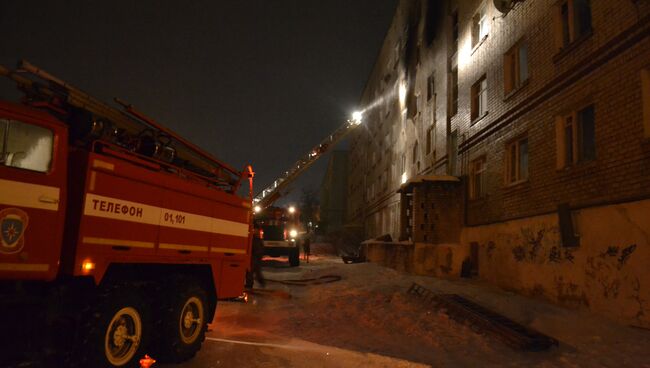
(32, 190)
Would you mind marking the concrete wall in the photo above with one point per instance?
(606, 273)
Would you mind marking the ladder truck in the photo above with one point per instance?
(117, 236)
(277, 227)
(280, 186)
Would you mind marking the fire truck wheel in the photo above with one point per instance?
(184, 323)
(294, 257)
(117, 330)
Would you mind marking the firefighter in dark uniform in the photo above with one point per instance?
(257, 255)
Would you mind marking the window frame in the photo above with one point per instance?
(513, 150)
(567, 32)
(645, 100)
(479, 24)
(5, 137)
(453, 92)
(570, 151)
(512, 68)
(479, 98)
(478, 170)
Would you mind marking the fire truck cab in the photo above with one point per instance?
(119, 244)
(279, 231)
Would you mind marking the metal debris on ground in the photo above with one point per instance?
(464, 310)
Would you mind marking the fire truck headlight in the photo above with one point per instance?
(293, 234)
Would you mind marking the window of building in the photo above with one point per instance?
(477, 178)
(572, 21)
(517, 161)
(396, 52)
(515, 65)
(453, 96)
(454, 32)
(429, 143)
(576, 137)
(479, 25)
(479, 98)
(645, 86)
(430, 87)
(25, 146)
(415, 152)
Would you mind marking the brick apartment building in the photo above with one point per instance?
(512, 145)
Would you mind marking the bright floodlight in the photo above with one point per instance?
(357, 116)
(292, 209)
(258, 209)
(293, 233)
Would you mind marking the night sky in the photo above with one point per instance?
(255, 82)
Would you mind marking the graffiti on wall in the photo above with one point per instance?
(607, 274)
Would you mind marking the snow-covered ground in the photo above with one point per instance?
(367, 319)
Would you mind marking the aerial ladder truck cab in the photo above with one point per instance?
(278, 228)
(118, 232)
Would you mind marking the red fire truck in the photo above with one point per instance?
(117, 235)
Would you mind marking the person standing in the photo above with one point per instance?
(258, 254)
(306, 247)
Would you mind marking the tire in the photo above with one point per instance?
(116, 332)
(294, 257)
(184, 322)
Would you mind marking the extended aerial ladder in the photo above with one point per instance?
(128, 129)
(279, 186)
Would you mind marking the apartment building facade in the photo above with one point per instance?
(510, 141)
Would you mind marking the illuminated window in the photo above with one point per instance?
(517, 161)
(515, 65)
(576, 137)
(477, 178)
(645, 85)
(479, 25)
(572, 21)
(25, 146)
(479, 98)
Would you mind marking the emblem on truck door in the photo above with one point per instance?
(13, 223)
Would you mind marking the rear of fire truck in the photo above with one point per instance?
(117, 236)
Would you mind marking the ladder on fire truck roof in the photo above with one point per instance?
(274, 191)
(43, 89)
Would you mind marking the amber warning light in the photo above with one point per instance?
(87, 266)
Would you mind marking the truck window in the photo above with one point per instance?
(25, 146)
